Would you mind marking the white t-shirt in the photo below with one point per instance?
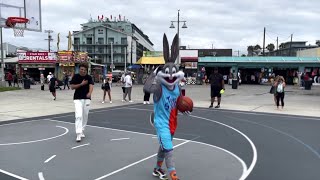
(49, 77)
(280, 88)
(128, 81)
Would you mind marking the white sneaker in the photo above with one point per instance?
(82, 135)
(102, 102)
(78, 138)
(144, 102)
(148, 102)
(110, 102)
(130, 101)
(123, 100)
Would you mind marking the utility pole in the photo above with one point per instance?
(277, 45)
(184, 26)
(125, 59)
(290, 45)
(264, 40)
(49, 37)
(2, 60)
(112, 65)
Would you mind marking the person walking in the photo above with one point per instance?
(52, 86)
(279, 86)
(15, 80)
(127, 87)
(66, 81)
(42, 81)
(9, 78)
(217, 84)
(106, 87)
(83, 85)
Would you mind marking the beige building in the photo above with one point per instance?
(314, 52)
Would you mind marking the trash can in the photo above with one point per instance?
(307, 85)
(234, 84)
(26, 83)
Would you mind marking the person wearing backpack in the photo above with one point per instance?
(279, 86)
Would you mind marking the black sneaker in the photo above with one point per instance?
(218, 106)
(210, 106)
(159, 173)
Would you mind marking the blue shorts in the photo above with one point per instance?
(165, 140)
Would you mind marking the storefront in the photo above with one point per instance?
(68, 63)
(257, 70)
(35, 63)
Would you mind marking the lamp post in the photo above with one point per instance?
(183, 26)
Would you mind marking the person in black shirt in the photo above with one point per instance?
(52, 86)
(217, 83)
(83, 85)
(106, 87)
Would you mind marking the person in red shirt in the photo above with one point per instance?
(9, 78)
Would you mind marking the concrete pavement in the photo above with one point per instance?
(255, 98)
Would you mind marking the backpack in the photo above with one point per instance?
(280, 88)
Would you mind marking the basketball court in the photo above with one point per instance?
(120, 143)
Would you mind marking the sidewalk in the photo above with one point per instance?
(255, 98)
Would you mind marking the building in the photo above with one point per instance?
(290, 48)
(110, 42)
(314, 52)
(255, 70)
(9, 49)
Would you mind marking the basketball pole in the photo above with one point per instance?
(2, 60)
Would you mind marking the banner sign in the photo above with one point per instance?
(37, 57)
(152, 53)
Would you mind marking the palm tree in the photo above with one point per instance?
(250, 50)
(270, 47)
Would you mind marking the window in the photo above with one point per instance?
(111, 40)
(100, 31)
(123, 40)
(100, 41)
(89, 50)
(100, 50)
(89, 40)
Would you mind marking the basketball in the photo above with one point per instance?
(184, 104)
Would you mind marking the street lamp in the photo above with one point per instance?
(183, 26)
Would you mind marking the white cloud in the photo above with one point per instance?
(225, 24)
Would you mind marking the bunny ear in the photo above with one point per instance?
(174, 48)
(166, 54)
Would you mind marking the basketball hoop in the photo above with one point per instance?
(17, 24)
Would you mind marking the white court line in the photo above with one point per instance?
(119, 139)
(246, 172)
(80, 146)
(262, 114)
(27, 142)
(120, 130)
(49, 159)
(137, 162)
(40, 175)
(153, 136)
(12, 175)
(254, 149)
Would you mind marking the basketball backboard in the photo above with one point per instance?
(30, 9)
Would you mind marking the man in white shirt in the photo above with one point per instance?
(49, 77)
(127, 87)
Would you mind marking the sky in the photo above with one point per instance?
(211, 23)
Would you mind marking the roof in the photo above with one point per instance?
(116, 30)
(151, 60)
(11, 60)
(258, 59)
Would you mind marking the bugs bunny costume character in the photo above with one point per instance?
(164, 84)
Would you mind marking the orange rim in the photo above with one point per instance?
(15, 20)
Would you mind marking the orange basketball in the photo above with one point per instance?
(184, 104)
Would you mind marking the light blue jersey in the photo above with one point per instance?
(165, 115)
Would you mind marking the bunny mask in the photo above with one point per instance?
(169, 75)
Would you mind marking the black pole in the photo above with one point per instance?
(290, 45)
(264, 40)
(178, 37)
(277, 45)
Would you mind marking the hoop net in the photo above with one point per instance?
(17, 24)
